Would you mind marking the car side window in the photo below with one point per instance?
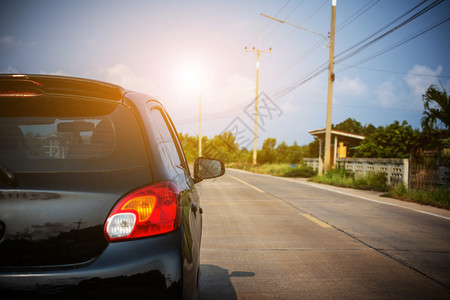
(164, 140)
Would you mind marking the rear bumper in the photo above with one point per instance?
(148, 267)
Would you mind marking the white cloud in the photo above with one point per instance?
(288, 107)
(351, 87)
(388, 94)
(57, 72)
(420, 78)
(6, 40)
(10, 70)
(124, 76)
(238, 92)
(241, 24)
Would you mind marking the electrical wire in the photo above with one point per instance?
(385, 34)
(395, 72)
(409, 38)
(324, 66)
(357, 14)
(348, 21)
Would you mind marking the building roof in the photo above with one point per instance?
(320, 133)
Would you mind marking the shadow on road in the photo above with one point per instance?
(215, 282)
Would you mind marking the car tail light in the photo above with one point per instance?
(148, 211)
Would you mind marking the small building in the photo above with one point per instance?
(343, 144)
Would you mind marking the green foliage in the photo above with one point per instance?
(190, 146)
(435, 123)
(284, 170)
(372, 181)
(299, 171)
(352, 126)
(349, 125)
(313, 148)
(435, 196)
(343, 178)
(223, 146)
(436, 114)
(393, 141)
(337, 177)
(267, 153)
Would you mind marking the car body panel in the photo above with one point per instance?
(145, 267)
(72, 202)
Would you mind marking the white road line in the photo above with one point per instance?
(368, 199)
(351, 195)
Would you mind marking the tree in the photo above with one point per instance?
(282, 152)
(436, 114)
(223, 146)
(190, 146)
(352, 126)
(435, 123)
(392, 141)
(313, 148)
(349, 125)
(267, 153)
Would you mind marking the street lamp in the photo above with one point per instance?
(331, 77)
(299, 27)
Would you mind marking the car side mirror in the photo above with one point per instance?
(206, 168)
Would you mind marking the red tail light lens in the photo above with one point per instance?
(149, 211)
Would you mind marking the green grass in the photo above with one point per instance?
(342, 178)
(284, 170)
(435, 196)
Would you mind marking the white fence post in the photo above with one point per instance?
(396, 170)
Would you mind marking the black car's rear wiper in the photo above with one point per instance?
(7, 176)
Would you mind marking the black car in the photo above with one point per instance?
(96, 195)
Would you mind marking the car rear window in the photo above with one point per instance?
(66, 134)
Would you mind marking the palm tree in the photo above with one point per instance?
(435, 122)
(436, 115)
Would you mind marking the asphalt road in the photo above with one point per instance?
(266, 237)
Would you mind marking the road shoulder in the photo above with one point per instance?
(367, 195)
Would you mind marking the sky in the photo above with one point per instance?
(387, 53)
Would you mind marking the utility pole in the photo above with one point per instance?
(258, 52)
(327, 154)
(200, 120)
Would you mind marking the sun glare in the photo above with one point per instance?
(191, 74)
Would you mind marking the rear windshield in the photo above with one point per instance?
(66, 134)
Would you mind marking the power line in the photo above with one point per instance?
(381, 29)
(357, 14)
(301, 23)
(395, 72)
(390, 31)
(411, 37)
(324, 66)
(352, 18)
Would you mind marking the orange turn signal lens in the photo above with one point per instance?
(142, 205)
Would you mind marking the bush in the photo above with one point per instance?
(373, 181)
(284, 170)
(343, 178)
(435, 196)
(301, 171)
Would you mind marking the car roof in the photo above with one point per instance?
(35, 85)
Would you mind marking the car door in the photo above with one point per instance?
(174, 159)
